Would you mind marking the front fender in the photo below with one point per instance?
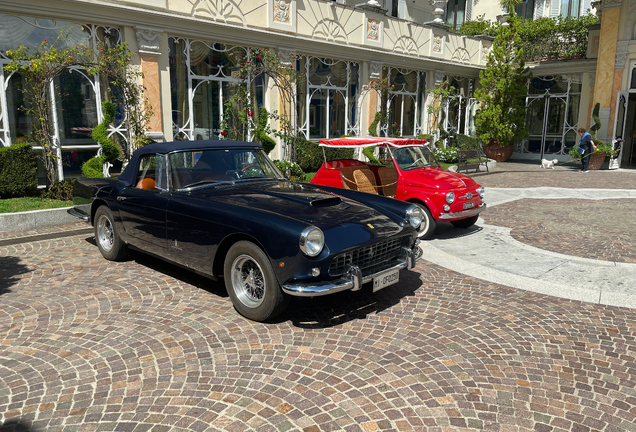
(417, 195)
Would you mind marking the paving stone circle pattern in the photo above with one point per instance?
(140, 345)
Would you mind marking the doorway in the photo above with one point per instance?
(625, 128)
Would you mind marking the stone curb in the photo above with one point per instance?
(35, 219)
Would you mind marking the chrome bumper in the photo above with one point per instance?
(352, 280)
(463, 214)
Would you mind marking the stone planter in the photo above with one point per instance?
(498, 153)
(596, 161)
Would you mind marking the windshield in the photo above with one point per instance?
(409, 158)
(193, 168)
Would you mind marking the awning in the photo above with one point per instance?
(352, 142)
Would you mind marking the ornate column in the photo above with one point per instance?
(148, 40)
(608, 79)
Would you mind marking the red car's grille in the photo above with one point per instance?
(369, 257)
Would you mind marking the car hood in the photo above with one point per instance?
(436, 179)
(304, 203)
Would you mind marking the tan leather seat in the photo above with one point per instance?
(146, 183)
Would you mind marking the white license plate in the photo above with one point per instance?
(469, 205)
(385, 279)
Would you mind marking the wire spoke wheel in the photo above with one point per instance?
(251, 283)
(248, 281)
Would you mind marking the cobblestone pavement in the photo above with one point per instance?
(89, 344)
(603, 229)
(523, 174)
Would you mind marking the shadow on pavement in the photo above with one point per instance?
(336, 309)
(10, 268)
(317, 312)
(16, 425)
(446, 231)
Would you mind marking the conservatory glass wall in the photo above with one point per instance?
(407, 114)
(76, 96)
(328, 108)
(203, 77)
(552, 114)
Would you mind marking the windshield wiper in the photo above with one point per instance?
(202, 182)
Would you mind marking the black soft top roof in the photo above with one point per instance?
(129, 174)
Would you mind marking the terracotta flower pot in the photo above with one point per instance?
(497, 152)
(596, 160)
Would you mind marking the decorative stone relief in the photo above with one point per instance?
(375, 70)
(281, 15)
(282, 9)
(439, 77)
(219, 10)
(406, 45)
(461, 55)
(373, 29)
(437, 44)
(622, 49)
(286, 56)
(611, 4)
(485, 51)
(373, 34)
(148, 40)
(330, 30)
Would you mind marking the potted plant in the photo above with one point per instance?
(500, 119)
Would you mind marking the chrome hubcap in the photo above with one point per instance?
(105, 234)
(248, 281)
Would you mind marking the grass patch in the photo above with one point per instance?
(308, 177)
(13, 205)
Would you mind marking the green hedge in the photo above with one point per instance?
(18, 170)
(310, 157)
(466, 142)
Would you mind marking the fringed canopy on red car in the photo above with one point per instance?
(351, 142)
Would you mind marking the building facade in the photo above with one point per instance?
(188, 51)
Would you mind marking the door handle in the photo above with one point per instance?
(121, 198)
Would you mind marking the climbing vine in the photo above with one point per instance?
(40, 65)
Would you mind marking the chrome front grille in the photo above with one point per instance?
(368, 258)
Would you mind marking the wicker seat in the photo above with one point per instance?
(348, 181)
(365, 181)
(388, 181)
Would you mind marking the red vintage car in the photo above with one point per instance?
(408, 172)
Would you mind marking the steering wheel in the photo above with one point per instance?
(259, 170)
(415, 162)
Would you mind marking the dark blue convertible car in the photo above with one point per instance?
(222, 209)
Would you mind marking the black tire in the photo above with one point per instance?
(465, 223)
(108, 242)
(251, 283)
(428, 224)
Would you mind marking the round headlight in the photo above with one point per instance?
(415, 216)
(312, 240)
(450, 197)
(480, 191)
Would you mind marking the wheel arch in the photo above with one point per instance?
(97, 204)
(425, 201)
(224, 247)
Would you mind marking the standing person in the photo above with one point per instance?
(586, 146)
